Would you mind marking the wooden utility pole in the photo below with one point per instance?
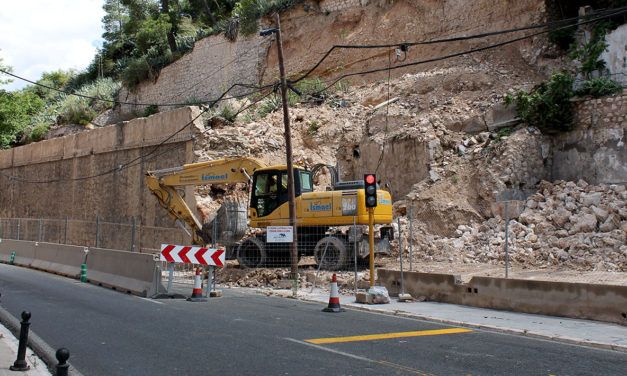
(288, 149)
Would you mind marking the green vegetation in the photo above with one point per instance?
(82, 110)
(564, 37)
(503, 132)
(228, 112)
(151, 110)
(548, 105)
(590, 53)
(140, 38)
(15, 112)
(27, 114)
(599, 87)
(313, 127)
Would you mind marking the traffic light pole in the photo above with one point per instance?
(371, 243)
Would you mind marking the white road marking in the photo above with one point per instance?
(361, 358)
(150, 300)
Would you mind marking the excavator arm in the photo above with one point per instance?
(163, 183)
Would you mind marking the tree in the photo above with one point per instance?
(6, 68)
(16, 110)
(174, 17)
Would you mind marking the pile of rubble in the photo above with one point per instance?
(579, 226)
(279, 278)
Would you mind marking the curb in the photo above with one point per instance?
(38, 345)
(524, 333)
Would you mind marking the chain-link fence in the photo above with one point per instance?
(130, 236)
(264, 256)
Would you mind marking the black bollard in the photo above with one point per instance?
(20, 362)
(63, 355)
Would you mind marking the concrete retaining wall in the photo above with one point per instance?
(115, 197)
(125, 271)
(576, 300)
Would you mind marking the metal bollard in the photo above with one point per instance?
(83, 272)
(63, 367)
(20, 362)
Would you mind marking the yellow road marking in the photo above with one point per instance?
(374, 337)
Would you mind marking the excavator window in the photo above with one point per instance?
(269, 194)
(306, 184)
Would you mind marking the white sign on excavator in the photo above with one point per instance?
(280, 234)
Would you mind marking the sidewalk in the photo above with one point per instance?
(8, 353)
(581, 332)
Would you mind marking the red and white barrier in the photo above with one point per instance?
(192, 255)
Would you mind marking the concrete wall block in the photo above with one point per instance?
(156, 128)
(126, 271)
(6, 158)
(576, 300)
(103, 139)
(23, 155)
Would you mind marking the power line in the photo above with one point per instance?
(454, 39)
(470, 51)
(112, 101)
(261, 88)
(133, 161)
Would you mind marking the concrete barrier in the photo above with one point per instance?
(577, 300)
(24, 251)
(125, 271)
(59, 259)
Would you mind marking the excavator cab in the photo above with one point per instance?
(270, 188)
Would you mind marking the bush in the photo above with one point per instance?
(249, 12)
(75, 110)
(548, 105)
(228, 112)
(314, 88)
(599, 87)
(38, 132)
(151, 110)
(269, 105)
(135, 72)
(80, 110)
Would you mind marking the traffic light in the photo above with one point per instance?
(370, 185)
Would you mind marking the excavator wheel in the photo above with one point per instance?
(251, 253)
(330, 253)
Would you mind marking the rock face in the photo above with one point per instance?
(578, 226)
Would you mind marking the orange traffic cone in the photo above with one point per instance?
(334, 298)
(197, 291)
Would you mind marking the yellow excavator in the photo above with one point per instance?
(324, 219)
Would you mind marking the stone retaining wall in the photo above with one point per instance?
(595, 150)
(337, 5)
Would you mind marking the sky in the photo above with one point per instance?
(39, 36)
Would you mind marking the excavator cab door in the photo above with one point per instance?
(270, 189)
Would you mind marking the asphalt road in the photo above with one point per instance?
(110, 333)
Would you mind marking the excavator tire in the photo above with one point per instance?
(251, 253)
(330, 253)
